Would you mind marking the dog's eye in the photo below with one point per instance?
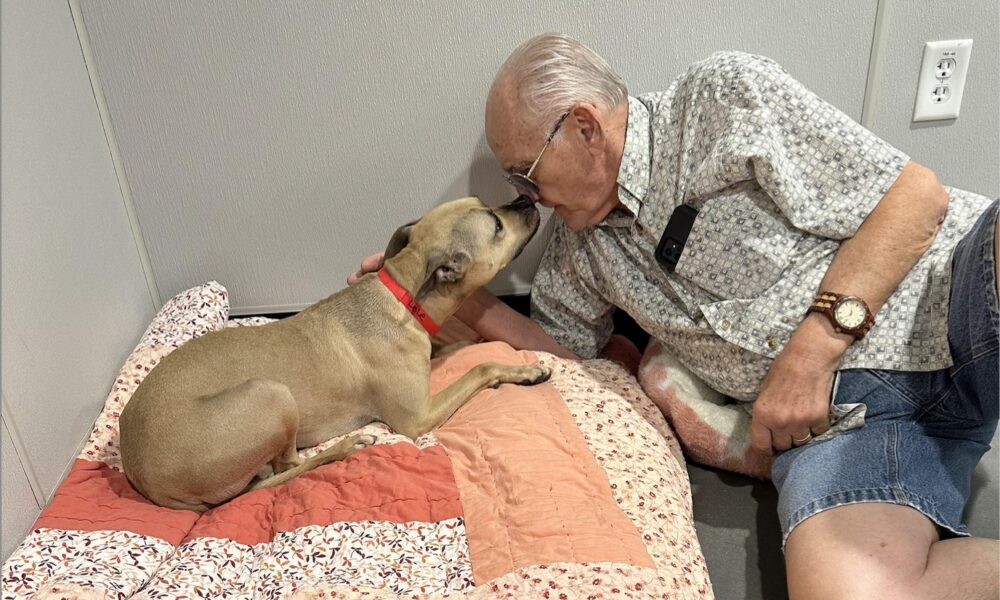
(499, 227)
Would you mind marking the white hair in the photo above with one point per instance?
(553, 72)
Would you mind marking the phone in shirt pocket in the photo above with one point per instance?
(737, 245)
(675, 235)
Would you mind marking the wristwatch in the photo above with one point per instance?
(847, 314)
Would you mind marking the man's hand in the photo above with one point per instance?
(793, 405)
(372, 263)
(794, 400)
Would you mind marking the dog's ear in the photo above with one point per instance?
(399, 240)
(453, 267)
(444, 266)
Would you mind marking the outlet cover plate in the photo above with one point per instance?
(940, 97)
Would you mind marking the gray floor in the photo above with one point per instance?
(738, 530)
(740, 537)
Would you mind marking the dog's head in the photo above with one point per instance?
(466, 243)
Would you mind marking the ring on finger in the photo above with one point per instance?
(807, 437)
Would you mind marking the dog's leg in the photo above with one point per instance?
(289, 459)
(338, 451)
(436, 409)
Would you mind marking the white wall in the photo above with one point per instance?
(964, 152)
(75, 297)
(272, 145)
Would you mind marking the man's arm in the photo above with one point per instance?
(495, 321)
(794, 396)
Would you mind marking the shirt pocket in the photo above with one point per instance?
(739, 246)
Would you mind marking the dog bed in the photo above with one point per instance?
(571, 489)
(714, 430)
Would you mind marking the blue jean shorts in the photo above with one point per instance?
(924, 432)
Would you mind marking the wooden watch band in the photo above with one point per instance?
(826, 304)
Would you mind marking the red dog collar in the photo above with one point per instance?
(409, 302)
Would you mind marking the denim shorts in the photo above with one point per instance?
(924, 432)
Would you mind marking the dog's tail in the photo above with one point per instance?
(338, 451)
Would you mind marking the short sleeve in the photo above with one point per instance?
(565, 300)
(754, 121)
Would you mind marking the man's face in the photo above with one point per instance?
(570, 177)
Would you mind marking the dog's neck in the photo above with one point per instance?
(408, 268)
(410, 303)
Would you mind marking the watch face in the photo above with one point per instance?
(850, 313)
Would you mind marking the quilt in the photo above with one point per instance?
(575, 488)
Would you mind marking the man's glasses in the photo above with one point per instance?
(523, 182)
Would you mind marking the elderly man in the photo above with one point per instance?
(785, 255)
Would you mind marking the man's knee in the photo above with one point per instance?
(859, 551)
(848, 576)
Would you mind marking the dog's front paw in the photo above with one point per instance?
(533, 375)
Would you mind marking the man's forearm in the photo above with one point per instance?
(792, 403)
(882, 252)
(495, 321)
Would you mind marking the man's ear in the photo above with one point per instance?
(399, 240)
(588, 121)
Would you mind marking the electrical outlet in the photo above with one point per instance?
(942, 80)
(944, 68)
(940, 94)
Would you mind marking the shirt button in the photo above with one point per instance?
(772, 343)
(726, 324)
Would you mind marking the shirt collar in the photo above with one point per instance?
(633, 175)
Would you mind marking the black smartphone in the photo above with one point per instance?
(675, 235)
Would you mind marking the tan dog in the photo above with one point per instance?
(221, 407)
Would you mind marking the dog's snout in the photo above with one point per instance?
(524, 208)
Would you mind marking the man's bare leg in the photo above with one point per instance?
(885, 551)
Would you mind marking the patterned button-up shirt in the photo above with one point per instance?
(780, 177)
